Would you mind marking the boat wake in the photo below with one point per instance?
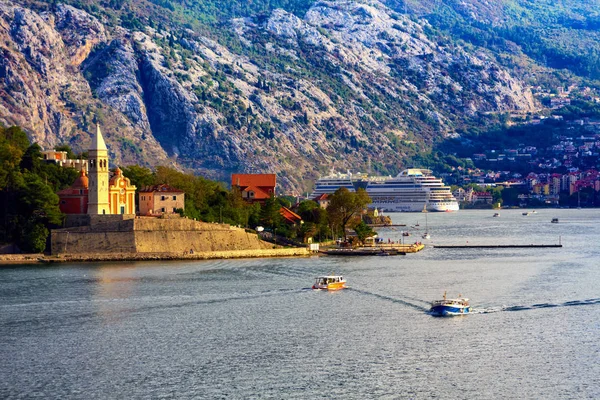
(489, 310)
(128, 307)
(393, 299)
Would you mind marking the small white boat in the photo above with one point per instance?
(426, 235)
(450, 307)
(329, 282)
(496, 214)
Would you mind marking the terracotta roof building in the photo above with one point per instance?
(254, 187)
(74, 200)
(323, 200)
(160, 199)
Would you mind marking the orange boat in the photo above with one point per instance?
(329, 282)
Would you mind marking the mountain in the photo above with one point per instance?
(220, 87)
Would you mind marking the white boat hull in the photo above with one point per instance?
(415, 207)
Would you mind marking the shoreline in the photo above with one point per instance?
(22, 259)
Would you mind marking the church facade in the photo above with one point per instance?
(96, 192)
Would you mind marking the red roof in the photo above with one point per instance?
(321, 197)
(289, 215)
(262, 180)
(259, 194)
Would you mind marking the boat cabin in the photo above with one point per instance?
(330, 282)
(325, 280)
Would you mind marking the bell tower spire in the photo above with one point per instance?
(98, 175)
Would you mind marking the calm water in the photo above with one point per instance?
(252, 329)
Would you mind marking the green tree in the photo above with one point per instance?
(269, 214)
(363, 231)
(34, 236)
(345, 205)
(139, 176)
(13, 143)
(32, 158)
(307, 230)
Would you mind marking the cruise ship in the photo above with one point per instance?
(334, 181)
(412, 190)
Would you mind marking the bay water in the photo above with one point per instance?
(253, 328)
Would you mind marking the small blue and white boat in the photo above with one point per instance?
(450, 307)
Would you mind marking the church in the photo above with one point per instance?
(95, 191)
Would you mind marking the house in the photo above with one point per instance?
(60, 158)
(462, 195)
(254, 188)
(482, 197)
(323, 200)
(160, 199)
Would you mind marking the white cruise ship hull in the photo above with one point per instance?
(414, 207)
(450, 206)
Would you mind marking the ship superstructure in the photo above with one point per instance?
(412, 190)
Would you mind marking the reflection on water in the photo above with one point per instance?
(252, 328)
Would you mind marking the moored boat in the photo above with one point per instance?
(329, 282)
(496, 214)
(554, 220)
(450, 307)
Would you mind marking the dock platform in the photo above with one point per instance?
(495, 246)
(381, 249)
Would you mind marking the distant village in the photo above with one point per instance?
(576, 156)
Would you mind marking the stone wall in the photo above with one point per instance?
(152, 235)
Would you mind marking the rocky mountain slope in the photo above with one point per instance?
(350, 84)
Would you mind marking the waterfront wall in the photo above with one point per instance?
(107, 234)
(207, 255)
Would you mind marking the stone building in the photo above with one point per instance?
(160, 199)
(60, 158)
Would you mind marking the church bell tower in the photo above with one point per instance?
(98, 176)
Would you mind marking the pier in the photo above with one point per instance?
(495, 246)
(380, 249)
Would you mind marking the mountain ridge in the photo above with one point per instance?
(352, 84)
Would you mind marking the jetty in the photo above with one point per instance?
(495, 246)
(362, 252)
(379, 250)
(385, 225)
